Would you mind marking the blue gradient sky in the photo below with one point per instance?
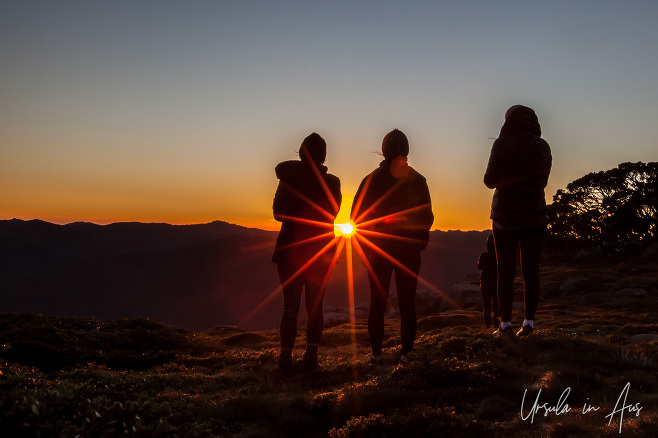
(171, 111)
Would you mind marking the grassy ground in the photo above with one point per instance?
(84, 377)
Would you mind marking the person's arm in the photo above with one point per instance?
(338, 196)
(280, 203)
(427, 216)
(494, 176)
(358, 202)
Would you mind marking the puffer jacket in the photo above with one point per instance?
(302, 197)
(397, 206)
(519, 166)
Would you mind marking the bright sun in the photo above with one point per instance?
(345, 229)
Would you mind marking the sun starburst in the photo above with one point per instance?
(352, 236)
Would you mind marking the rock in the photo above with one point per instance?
(466, 294)
(424, 296)
(335, 318)
(632, 292)
(574, 285)
(646, 337)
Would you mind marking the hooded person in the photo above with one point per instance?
(392, 213)
(518, 169)
(306, 203)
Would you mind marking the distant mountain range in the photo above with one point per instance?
(192, 276)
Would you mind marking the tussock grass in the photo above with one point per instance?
(85, 377)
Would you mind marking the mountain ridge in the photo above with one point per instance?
(194, 276)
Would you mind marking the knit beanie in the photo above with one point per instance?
(395, 144)
(313, 147)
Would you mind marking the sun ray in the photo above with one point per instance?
(322, 182)
(310, 239)
(391, 216)
(350, 293)
(404, 268)
(269, 298)
(308, 221)
(376, 203)
(311, 203)
(390, 236)
(368, 266)
(357, 202)
(334, 261)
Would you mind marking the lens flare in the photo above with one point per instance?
(345, 229)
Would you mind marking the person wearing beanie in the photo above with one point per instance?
(392, 211)
(518, 169)
(306, 203)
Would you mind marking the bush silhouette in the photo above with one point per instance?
(611, 208)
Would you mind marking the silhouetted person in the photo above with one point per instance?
(489, 283)
(519, 166)
(392, 209)
(307, 200)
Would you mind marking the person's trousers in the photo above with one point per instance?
(489, 290)
(508, 243)
(312, 282)
(406, 281)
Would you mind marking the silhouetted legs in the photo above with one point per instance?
(311, 282)
(489, 302)
(508, 242)
(380, 281)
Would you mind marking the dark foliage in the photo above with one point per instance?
(611, 208)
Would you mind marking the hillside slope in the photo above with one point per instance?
(595, 352)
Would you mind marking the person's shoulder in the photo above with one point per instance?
(287, 169)
(416, 176)
(374, 174)
(332, 179)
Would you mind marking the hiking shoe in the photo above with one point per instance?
(525, 331)
(284, 364)
(309, 361)
(504, 331)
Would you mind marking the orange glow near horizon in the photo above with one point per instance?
(104, 211)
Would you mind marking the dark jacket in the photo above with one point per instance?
(396, 206)
(302, 197)
(519, 166)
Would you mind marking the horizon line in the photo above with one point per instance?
(65, 223)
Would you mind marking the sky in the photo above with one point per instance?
(178, 112)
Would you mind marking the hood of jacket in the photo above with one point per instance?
(522, 119)
(292, 169)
